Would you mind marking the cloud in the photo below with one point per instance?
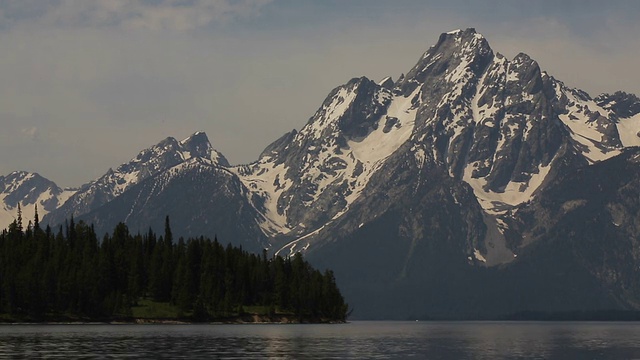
(31, 132)
(175, 15)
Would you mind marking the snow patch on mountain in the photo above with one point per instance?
(333, 159)
(385, 140)
(268, 181)
(515, 193)
(478, 256)
(582, 121)
(480, 112)
(28, 190)
(372, 150)
(292, 247)
(328, 114)
(629, 130)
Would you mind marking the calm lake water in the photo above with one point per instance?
(362, 340)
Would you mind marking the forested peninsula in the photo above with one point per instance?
(68, 275)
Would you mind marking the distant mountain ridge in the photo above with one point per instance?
(448, 190)
(29, 190)
(147, 164)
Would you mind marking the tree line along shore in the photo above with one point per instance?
(68, 275)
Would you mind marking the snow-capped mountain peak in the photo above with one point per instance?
(28, 190)
(624, 109)
(198, 145)
(148, 163)
(456, 55)
(326, 165)
(624, 105)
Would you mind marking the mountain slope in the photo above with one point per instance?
(311, 176)
(501, 130)
(201, 197)
(495, 124)
(28, 190)
(594, 212)
(149, 163)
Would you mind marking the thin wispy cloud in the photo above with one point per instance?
(31, 133)
(176, 15)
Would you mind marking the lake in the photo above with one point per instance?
(358, 339)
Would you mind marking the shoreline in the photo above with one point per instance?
(250, 319)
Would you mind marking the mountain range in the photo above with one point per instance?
(474, 186)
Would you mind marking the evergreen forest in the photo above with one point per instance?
(69, 274)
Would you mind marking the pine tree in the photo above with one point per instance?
(19, 219)
(168, 236)
(36, 220)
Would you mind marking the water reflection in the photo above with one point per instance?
(371, 340)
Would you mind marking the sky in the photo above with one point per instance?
(86, 84)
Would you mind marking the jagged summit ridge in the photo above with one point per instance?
(199, 146)
(494, 122)
(164, 155)
(499, 125)
(624, 109)
(461, 50)
(502, 126)
(147, 164)
(325, 166)
(623, 104)
(28, 190)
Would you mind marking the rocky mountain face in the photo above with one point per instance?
(28, 190)
(474, 186)
(201, 197)
(149, 163)
(442, 211)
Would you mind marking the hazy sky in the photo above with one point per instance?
(86, 84)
